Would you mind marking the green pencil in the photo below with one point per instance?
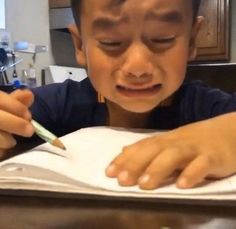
(47, 135)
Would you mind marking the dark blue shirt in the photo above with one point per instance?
(68, 106)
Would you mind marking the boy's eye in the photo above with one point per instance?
(163, 40)
(111, 44)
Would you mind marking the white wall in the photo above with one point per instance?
(29, 20)
(2, 14)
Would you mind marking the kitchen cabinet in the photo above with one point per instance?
(60, 14)
(59, 3)
(213, 39)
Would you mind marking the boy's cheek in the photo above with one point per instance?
(97, 62)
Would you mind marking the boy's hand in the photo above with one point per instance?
(14, 117)
(199, 150)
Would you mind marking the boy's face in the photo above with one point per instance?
(136, 52)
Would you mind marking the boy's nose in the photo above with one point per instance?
(138, 63)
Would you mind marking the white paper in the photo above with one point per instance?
(89, 152)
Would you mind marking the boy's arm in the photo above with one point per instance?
(199, 150)
(14, 117)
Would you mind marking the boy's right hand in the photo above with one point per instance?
(14, 117)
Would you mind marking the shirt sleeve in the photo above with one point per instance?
(200, 102)
(59, 106)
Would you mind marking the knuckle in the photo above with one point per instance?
(126, 151)
(117, 163)
(22, 124)
(22, 110)
(172, 155)
(209, 160)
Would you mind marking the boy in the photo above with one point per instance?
(136, 53)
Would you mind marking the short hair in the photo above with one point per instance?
(196, 5)
(76, 6)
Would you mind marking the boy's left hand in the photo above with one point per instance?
(199, 150)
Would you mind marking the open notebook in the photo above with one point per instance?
(81, 169)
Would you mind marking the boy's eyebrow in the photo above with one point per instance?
(106, 22)
(172, 16)
(115, 3)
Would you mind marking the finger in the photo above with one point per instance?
(15, 125)
(24, 96)
(12, 105)
(195, 172)
(128, 166)
(118, 163)
(6, 141)
(164, 165)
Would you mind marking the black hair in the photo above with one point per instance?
(76, 6)
(196, 5)
(76, 9)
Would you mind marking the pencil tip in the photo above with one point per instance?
(58, 144)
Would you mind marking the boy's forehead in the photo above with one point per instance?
(110, 6)
(169, 10)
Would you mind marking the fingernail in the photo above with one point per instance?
(123, 176)
(144, 179)
(182, 183)
(13, 142)
(111, 170)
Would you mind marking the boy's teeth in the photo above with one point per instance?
(135, 89)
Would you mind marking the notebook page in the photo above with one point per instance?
(98, 146)
(75, 163)
(90, 150)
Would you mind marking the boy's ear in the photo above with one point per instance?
(78, 45)
(195, 30)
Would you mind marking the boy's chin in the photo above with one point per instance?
(139, 108)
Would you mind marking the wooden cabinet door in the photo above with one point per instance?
(59, 3)
(213, 39)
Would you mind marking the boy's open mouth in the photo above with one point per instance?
(132, 91)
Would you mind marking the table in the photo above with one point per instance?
(85, 213)
(38, 212)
